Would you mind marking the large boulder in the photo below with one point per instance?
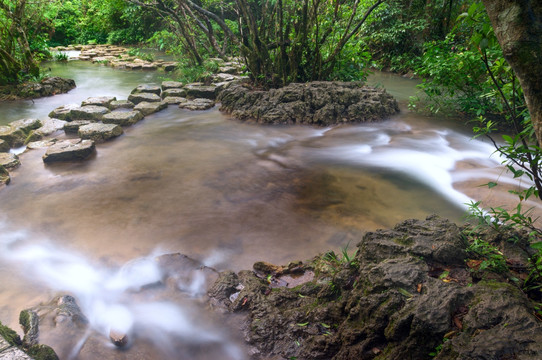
(144, 97)
(69, 150)
(9, 160)
(405, 292)
(89, 112)
(49, 127)
(99, 101)
(99, 132)
(147, 108)
(198, 90)
(123, 118)
(317, 103)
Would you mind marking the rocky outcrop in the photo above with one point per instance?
(69, 150)
(47, 87)
(99, 132)
(406, 293)
(316, 103)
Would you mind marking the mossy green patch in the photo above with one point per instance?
(9, 335)
(42, 352)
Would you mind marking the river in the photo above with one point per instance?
(220, 191)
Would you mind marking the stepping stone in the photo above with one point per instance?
(174, 92)
(174, 100)
(121, 104)
(26, 125)
(169, 66)
(73, 126)
(148, 108)
(4, 176)
(145, 88)
(166, 85)
(197, 104)
(144, 97)
(223, 77)
(63, 112)
(99, 132)
(9, 160)
(13, 137)
(41, 144)
(99, 101)
(133, 66)
(4, 146)
(123, 118)
(200, 91)
(148, 67)
(69, 150)
(89, 112)
(49, 127)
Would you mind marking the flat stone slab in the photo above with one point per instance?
(174, 100)
(9, 160)
(148, 108)
(200, 91)
(144, 97)
(69, 150)
(146, 88)
(166, 85)
(99, 132)
(174, 92)
(4, 146)
(123, 118)
(13, 137)
(89, 112)
(121, 104)
(49, 127)
(73, 126)
(63, 112)
(26, 125)
(99, 101)
(197, 104)
(41, 144)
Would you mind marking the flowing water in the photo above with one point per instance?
(223, 192)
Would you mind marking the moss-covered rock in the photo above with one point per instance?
(10, 336)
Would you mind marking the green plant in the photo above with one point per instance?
(60, 56)
(139, 53)
(492, 258)
(438, 349)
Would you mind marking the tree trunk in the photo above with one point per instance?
(518, 27)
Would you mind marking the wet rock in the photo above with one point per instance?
(46, 87)
(147, 108)
(99, 101)
(63, 112)
(123, 118)
(166, 85)
(173, 100)
(317, 103)
(99, 132)
(121, 104)
(41, 144)
(29, 321)
(144, 97)
(169, 66)
(9, 160)
(197, 104)
(149, 67)
(69, 150)
(89, 112)
(133, 66)
(197, 90)
(388, 303)
(174, 92)
(49, 127)
(4, 146)
(72, 127)
(4, 176)
(145, 88)
(13, 137)
(25, 125)
(118, 338)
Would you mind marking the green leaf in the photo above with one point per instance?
(537, 245)
(405, 293)
(303, 324)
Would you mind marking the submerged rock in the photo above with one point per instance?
(69, 150)
(99, 132)
(403, 292)
(317, 103)
(123, 118)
